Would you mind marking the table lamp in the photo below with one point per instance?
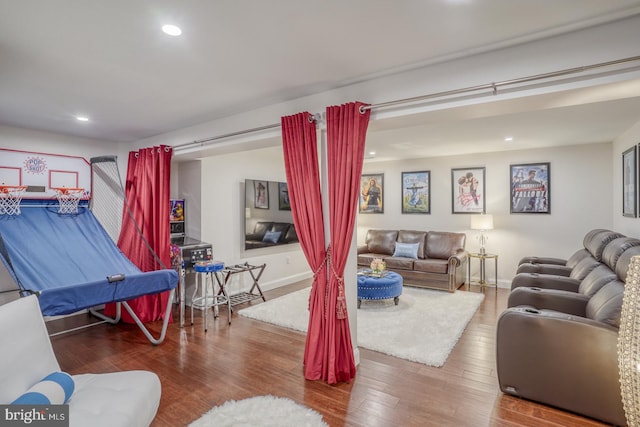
(483, 223)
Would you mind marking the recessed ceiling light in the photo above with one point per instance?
(372, 153)
(171, 30)
(509, 138)
(82, 118)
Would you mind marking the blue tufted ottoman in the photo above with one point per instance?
(389, 286)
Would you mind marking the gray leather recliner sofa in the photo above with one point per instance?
(564, 360)
(593, 245)
(559, 347)
(569, 281)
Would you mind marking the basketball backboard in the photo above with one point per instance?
(42, 172)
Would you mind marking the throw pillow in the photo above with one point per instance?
(406, 250)
(54, 389)
(271, 236)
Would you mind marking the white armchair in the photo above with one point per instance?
(127, 399)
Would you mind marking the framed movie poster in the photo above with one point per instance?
(261, 191)
(531, 188)
(416, 192)
(629, 182)
(372, 193)
(468, 191)
(283, 197)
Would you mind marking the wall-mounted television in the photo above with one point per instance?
(268, 221)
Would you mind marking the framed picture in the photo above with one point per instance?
(531, 188)
(468, 191)
(177, 210)
(372, 193)
(261, 191)
(416, 192)
(629, 182)
(283, 197)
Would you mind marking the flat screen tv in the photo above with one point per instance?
(268, 221)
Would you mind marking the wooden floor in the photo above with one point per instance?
(251, 358)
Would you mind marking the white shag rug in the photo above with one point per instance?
(424, 326)
(260, 411)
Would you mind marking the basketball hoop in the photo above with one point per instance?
(68, 199)
(10, 198)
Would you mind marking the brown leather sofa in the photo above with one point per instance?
(438, 261)
(559, 347)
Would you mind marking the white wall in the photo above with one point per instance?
(45, 142)
(222, 214)
(625, 225)
(189, 173)
(581, 199)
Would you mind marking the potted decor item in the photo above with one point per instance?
(378, 267)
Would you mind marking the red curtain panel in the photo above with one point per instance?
(328, 351)
(147, 190)
(346, 134)
(303, 179)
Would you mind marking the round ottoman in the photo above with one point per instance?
(371, 287)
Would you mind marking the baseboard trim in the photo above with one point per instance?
(266, 286)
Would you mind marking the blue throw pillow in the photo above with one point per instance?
(406, 250)
(54, 389)
(271, 236)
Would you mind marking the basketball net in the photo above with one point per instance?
(68, 199)
(109, 203)
(107, 195)
(10, 198)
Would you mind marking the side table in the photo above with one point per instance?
(242, 297)
(482, 258)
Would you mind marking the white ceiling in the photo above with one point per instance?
(109, 60)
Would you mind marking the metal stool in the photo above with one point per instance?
(204, 278)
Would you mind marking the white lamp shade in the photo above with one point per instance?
(482, 222)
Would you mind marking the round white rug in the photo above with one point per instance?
(260, 411)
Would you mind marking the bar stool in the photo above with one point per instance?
(204, 281)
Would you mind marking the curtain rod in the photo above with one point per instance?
(240, 132)
(493, 86)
